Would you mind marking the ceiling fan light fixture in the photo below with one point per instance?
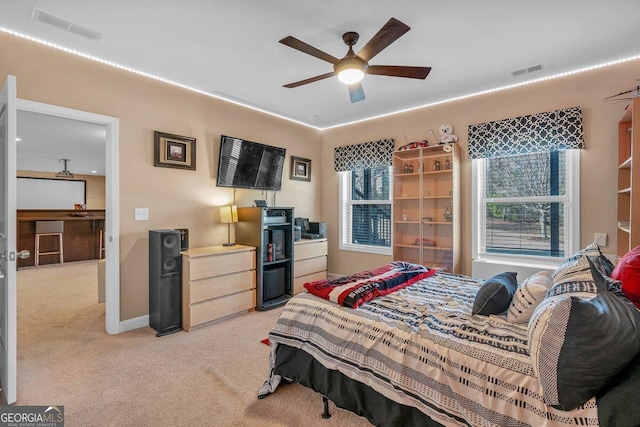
(350, 70)
(350, 76)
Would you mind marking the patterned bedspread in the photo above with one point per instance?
(422, 347)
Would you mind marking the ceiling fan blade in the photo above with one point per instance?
(399, 71)
(309, 80)
(390, 32)
(356, 93)
(308, 49)
(621, 93)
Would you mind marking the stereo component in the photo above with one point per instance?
(184, 238)
(165, 285)
(319, 228)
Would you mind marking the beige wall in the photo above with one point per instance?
(95, 186)
(175, 198)
(186, 199)
(598, 161)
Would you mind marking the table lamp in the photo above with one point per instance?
(228, 215)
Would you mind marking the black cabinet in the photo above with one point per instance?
(270, 230)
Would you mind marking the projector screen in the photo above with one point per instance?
(45, 193)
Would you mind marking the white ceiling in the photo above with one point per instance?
(46, 139)
(230, 47)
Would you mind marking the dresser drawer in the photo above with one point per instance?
(308, 266)
(310, 250)
(298, 282)
(207, 266)
(214, 287)
(221, 307)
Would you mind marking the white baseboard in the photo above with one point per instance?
(332, 276)
(135, 323)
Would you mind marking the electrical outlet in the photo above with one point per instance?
(601, 239)
(141, 214)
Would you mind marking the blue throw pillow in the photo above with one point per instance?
(496, 294)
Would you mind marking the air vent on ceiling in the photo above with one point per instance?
(527, 70)
(64, 24)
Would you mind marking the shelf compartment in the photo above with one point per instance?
(626, 164)
(624, 226)
(431, 248)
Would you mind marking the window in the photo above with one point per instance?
(527, 206)
(365, 210)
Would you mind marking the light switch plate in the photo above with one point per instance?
(601, 239)
(141, 214)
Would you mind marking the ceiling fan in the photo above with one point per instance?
(352, 68)
(633, 93)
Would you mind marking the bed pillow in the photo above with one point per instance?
(601, 262)
(495, 294)
(574, 276)
(528, 296)
(628, 272)
(579, 341)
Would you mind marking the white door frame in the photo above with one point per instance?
(112, 224)
(8, 328)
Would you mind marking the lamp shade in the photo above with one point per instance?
(228, 214)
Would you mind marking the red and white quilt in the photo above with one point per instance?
(356, 289)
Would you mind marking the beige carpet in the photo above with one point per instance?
(208, 377)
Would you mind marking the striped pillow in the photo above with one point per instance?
(578, 341)
(528, 296)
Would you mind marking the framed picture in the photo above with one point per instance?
(300, 169)
(174, 151)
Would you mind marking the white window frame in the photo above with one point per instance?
(344, 215)
(571, 202)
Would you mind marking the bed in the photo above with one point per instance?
(418, 356)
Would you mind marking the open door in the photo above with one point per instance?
(8, 254)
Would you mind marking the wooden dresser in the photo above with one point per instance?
(310, 262)
(217, 281)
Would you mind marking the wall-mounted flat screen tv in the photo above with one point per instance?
(248, 164)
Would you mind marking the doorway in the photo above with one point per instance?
(111, 232)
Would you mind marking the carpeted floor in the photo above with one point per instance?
(209, 376)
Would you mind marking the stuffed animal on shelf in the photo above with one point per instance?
(446, 135)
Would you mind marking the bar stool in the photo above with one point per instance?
(100, 226)
(49, 228)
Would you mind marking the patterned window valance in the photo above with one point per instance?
(550, 131)
(364, 156)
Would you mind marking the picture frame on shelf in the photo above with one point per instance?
(174, 151)
(300, 169)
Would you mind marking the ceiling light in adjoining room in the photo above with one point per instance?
(18, 139)
(94, 171)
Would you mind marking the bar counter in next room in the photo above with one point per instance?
(81, 237)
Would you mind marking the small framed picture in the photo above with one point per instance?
(300, 169)
(174, 151)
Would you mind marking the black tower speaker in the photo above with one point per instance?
(165, 284)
